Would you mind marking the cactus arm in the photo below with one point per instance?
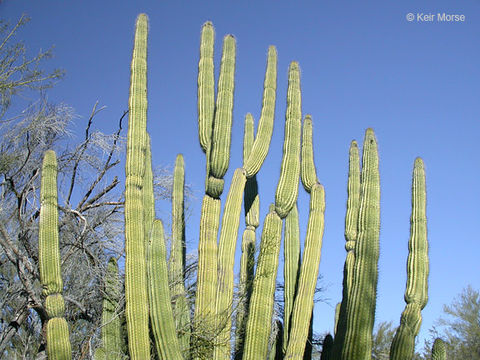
(206, 86)
(351, 219)
(57, 334)
(135, 265)
(403, 345)
(260, 147)
(362, 302)
(161, 314)
(291, 264)
(261, 303)
(308, 173)
(287, 189)
(226, 257)
(439, 352)
(302, 309)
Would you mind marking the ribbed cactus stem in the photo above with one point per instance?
(111, 321)
(303, 306)
(161, 314)
(276, 351)
(287, 189)
(439, 352)
(351, 220)
(362, 299)
(291, 266)
(403, 345)
(259, 150)
(135, 265)
(308, 173)
(261, 303)
(177, 257)
(148, 195)
(57, 334)
(226, 257)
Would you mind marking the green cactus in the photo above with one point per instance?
(403, 345)
(351, 220)
(303, 306)
(439, 352)
(57, 334)
(327, 347)
(135, 264)
(161, 314)
(111, 322)
(360, 314)
(291, 265)
(177, 258)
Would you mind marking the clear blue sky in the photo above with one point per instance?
(417, 84)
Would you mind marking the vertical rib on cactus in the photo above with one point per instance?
(148, 196)
(287, 189)
(135, 265)
(261, 302)
(111, 322)
(276, 352)
(362, 300)
(247, 259)
(403, 345)
(226, 256)
(58, 342)
(177, 257)
(351, 219)
(291, 265)
(161, 314)
(259, 151)
(439, 352)
(303, 306)
(222, 124)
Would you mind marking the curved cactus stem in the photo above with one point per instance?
(226, 257)
(287, 189)
(303, 306)
(261, 303)
(362, 299)
(403, 345)
(57, 334)
(135, 265)
(161, 314)
(291, 265)
(259, 150)
(439, 352)
(351, 220)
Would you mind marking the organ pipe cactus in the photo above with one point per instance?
(57, 334)
(403, 345)
(135, 265)
(161, 314)
(177, 257)
(360, 314)
(439, 352)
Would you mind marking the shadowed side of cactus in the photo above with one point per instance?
(403, 345)
(327, 348)
(57, 334)
(135, 266)
(161, 314)
(276, 352)
(357, 343)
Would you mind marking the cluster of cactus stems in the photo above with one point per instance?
(156, 302)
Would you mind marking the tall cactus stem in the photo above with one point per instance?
(327, 348)
(308, 173)
(135, 265)
(303, 306)
(362, 299)
(403, 345)
(57, 334)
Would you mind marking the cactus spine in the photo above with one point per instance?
(135, 264)
(177, 257)
(303, 306)
(57, 334)
(439, 352)
(357, 343)
(403, 345)
(161, 314)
